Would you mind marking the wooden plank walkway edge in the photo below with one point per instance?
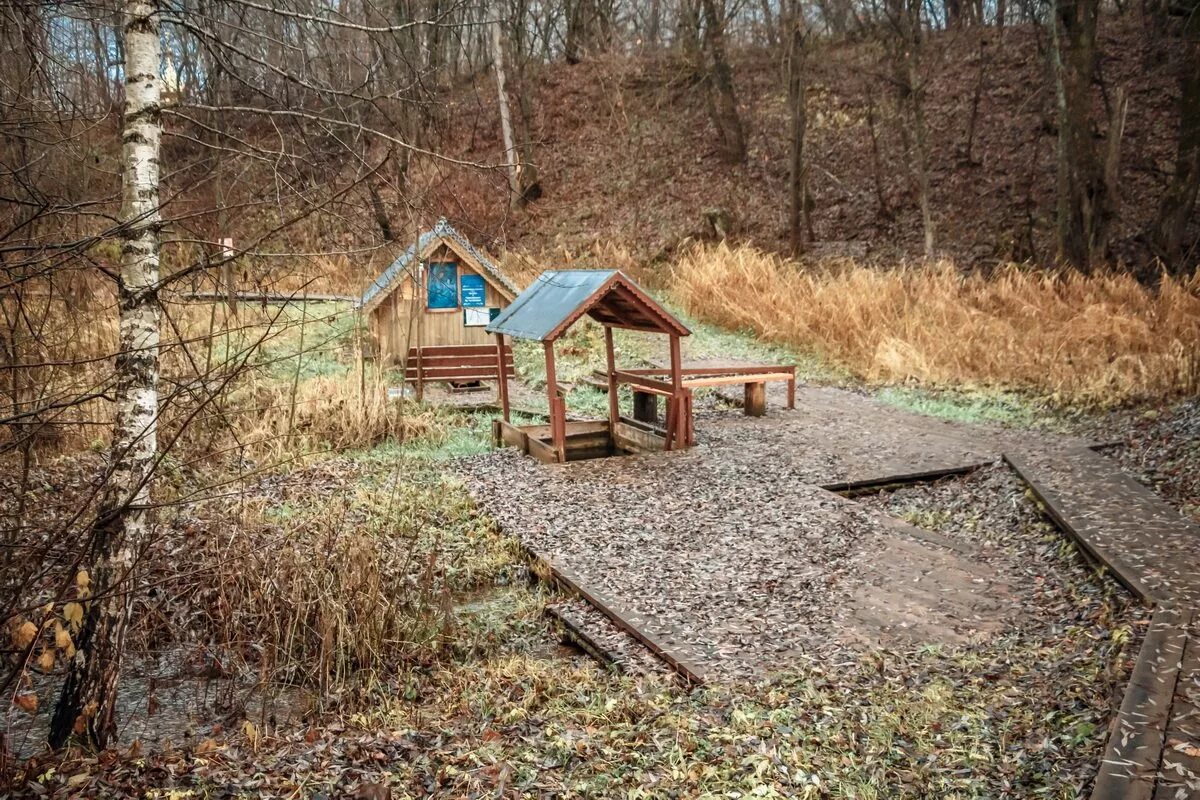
(848, 488)
(584, 640)
(620, 616)
(1151, 750)
(1132, 758)
(1124, 573)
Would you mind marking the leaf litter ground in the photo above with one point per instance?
(1019, 712)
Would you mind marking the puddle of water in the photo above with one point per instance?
(161, 706)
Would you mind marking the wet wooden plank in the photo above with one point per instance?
(1148, 545)
(1179, 771)
(636, 625)
(1129, 770)
(579, 635)
(850, 488)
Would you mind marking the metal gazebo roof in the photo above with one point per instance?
(558, 298)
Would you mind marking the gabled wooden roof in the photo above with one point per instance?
(427, 242)
(558, 298)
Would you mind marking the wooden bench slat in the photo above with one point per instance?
(434, 351)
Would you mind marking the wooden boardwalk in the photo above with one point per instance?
(672, 564)
(1153, 752)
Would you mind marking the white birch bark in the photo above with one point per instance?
(87, 706)
(510, 148)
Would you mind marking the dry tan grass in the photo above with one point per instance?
(328, 413)
(1099, 340)
(215, 388)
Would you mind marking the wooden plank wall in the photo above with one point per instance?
(389, 322)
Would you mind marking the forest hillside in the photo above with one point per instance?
(628, 157)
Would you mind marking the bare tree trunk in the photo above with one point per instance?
(518, 40)
(976, 98)
(798, 106)
(1179, 200)
(581, 29)
(906, 62)
(722, 101)
(768, 22)
(954, 13)
(381, 215)
(1082, 226)
(885, 210)
(515, 198)
(654, 25)
(922, 166)
(87, 706)
(1112, 157)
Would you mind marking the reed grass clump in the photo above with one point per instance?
(1089, 340)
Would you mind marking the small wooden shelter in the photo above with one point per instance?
(429, 310)
(544, 312)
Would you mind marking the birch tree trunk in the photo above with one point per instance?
(515, 198)
(87, 706)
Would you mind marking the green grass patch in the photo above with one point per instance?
(313, 338)
(1003, 408)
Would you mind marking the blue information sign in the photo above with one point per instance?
(474, 293)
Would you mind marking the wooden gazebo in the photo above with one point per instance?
(547, 310)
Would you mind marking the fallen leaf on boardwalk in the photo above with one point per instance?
(1185, 748)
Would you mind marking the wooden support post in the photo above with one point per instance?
(677, 421)
(614, 413)
(792, 389)
(420, 368)
(672, 412)
(558, 411)
(645, 406)
(502, 368)
(756, 399)
(691, 428)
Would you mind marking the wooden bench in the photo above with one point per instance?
(754, 379)
(456, 363)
